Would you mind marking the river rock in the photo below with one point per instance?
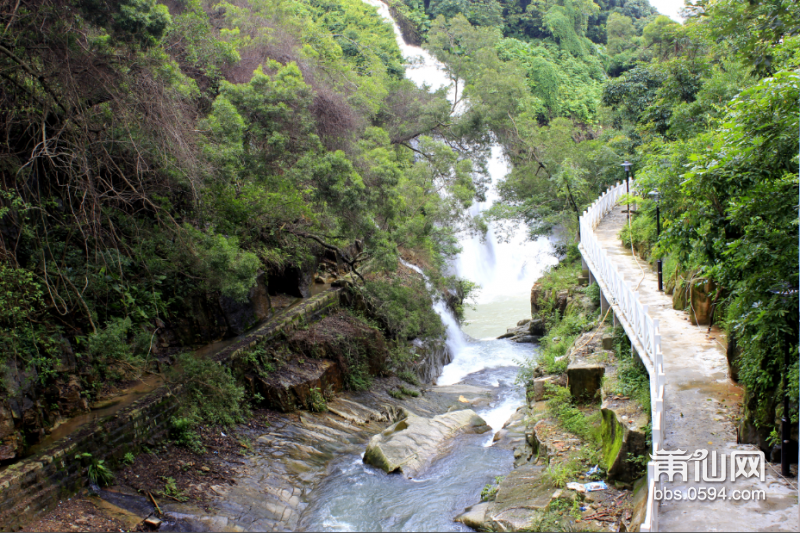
(584, 379)
(473, 516)
(537, 327)
(537, 391)
(521, 497)
(412, 443)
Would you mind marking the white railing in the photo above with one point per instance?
(632, 314)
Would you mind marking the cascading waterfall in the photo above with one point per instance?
(455, 339)
(357, 497)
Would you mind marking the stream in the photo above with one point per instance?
(357, 497)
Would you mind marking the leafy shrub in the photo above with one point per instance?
(22, 336)
(128, 459)
(112, 355)
(404, 311)
(97, 471)
(316, 402)
(593, 293)
(183, 434)
(211, 393)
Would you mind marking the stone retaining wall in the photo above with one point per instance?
(37, 483)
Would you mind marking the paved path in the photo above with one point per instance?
(701, 403)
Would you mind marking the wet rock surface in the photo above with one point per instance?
(410, 444)
(273, 482)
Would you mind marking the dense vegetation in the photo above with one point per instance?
(707, 111)
(158, 158)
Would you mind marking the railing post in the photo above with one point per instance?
(617, 291)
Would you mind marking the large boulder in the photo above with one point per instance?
(521, 498)
(525, 331)
(473, 517)
(290, 388)
(585, 379)
(411, 444)
(430, 357)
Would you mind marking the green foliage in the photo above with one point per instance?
(569, 417)
(558, 474)
(97, 471)
(25, 345)
(396, 394)
(409, 392)
(403, 310)
(182, 432)
(316, 401)
(409, 377)
(593, 293)
(128, 459)
(632, 380)
(111, 352)
(489, 491)
(171, 489)
(211, 394)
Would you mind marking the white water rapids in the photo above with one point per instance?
(357, 497)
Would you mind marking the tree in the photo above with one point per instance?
(620, 33)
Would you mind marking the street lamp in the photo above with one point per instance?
(627, 166)
(656, 196)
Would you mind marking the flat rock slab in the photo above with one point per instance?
(411, 444)
(521, 497)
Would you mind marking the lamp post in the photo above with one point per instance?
(627, 166)
(655, 195)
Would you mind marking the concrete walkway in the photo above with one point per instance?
(701, 405)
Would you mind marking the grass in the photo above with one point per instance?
(558, 474)
(409, 392)
(570, 418)
(409, 377)
(632, 379)
(561, 277)
(489, 491)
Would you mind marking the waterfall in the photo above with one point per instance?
(456, 341)
(505, 270)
